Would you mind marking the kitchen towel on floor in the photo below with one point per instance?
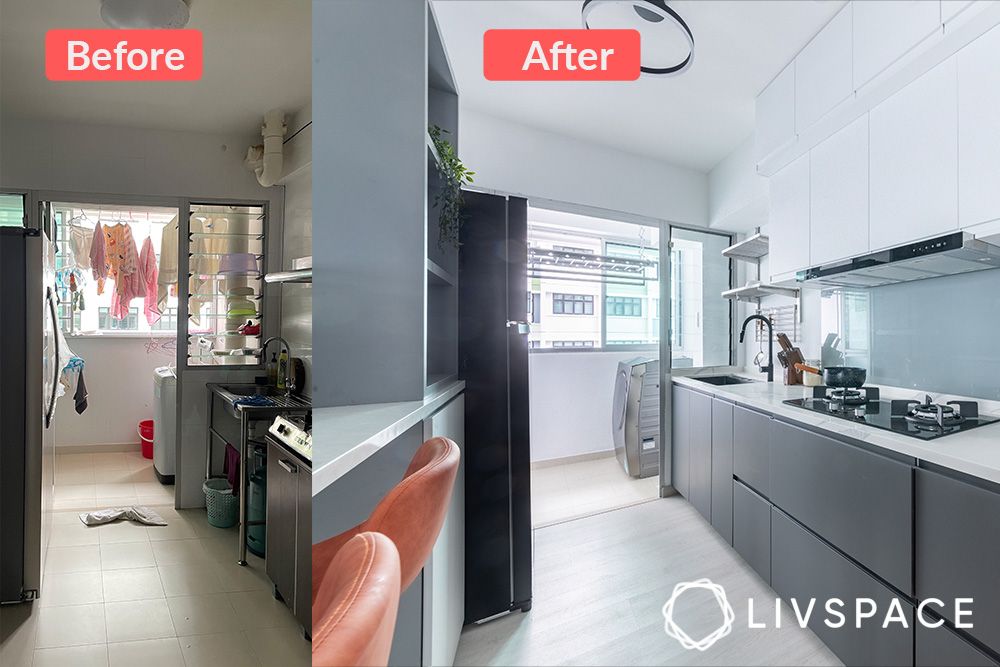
(231, 468)
(140, 513)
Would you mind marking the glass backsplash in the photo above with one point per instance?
(938, 335)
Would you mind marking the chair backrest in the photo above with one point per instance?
(412, 513)
(354, 613)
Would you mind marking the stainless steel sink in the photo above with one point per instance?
(720, 380)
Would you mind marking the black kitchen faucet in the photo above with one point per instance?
(769, 369)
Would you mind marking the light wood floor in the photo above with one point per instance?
(599, 586)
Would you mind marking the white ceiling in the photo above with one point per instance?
(257, 56)
(693, 119)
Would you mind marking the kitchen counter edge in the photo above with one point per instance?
(344, 437)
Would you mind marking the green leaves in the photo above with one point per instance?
(448, 199)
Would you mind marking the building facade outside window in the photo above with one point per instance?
(624, 306)
(572, 304)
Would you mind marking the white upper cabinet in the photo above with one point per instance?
(788, 230)
(913, 144)
(979, 130)
(884, 30)
(823, 72)
(775, 114)
(838, 209)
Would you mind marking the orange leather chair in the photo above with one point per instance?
(359, 600)
(411, 514)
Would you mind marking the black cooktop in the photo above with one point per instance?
(925, 420)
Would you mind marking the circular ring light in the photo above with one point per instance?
(658, 24)
(145, 14)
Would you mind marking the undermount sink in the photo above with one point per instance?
(720, 380)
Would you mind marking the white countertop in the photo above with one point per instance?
(345, 437)
(975, 452)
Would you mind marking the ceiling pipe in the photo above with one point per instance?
(267, 161)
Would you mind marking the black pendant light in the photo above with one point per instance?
(667, 41)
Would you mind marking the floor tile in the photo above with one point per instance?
(74, 492)
(74, 588)
(61, 560)
(110, 460)
(222, 548)
(203, 614)
(280, 646)
(230, 649)
(75, 476)
(174, 530)
(149, 653)
(17, 630)
(143, 475)
(66, 519)
(114, 476)
(120, 531)
(74, 461)
(70, 626)
(174, 552)
(94, 655)
(126, 556)
(138, 584)
(259, 609)
(118, 501)
(72, 535)
(155, 501)
(235, 578)
(120, 490)
(188, 579)
(133, 621)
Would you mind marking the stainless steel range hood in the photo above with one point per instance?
(948, 255)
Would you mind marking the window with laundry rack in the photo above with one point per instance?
(89, 304)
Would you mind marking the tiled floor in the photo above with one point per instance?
(569, 491)
(127, 594)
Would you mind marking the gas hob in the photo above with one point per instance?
(924, 420)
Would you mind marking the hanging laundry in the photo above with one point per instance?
(80, 397)
(98, 262)
(167, 274)
(123, 260)
(81, 241)
(147, 267)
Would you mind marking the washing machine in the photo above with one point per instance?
(635, 416)
(164, 423)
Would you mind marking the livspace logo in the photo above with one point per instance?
(836, 613)
(123, 55)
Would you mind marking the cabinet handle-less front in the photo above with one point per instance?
(288, 466)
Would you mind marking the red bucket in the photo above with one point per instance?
(146, 435)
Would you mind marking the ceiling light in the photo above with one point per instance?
(667, 41)
(142, 14)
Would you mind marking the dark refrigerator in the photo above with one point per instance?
(493, 361)
(29, 377)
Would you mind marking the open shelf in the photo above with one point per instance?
(750, 249)
(755, 291)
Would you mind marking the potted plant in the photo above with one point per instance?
(448, 199)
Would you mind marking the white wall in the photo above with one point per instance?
(119, 377)
(737, 195)
(570, 402)
(518, 159)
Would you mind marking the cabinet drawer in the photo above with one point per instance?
(752, 529)
(859, 501)
(751, 448)
(802, 567)
(958, 550)
(943, 647)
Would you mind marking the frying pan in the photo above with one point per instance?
(847, 377)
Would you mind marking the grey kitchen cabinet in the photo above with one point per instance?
(722, 468)
(288, 556)
(943, 647)
(957, 549)
(752, 529)
(680, 442)
(751, 448)
(803, 567)
(700, 438)
(858, 500)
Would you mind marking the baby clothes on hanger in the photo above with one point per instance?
(98, 261)
(80, 243)
(124, 260)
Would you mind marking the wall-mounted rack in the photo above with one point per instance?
(756, 290)
(750, 249)
(299, 276)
